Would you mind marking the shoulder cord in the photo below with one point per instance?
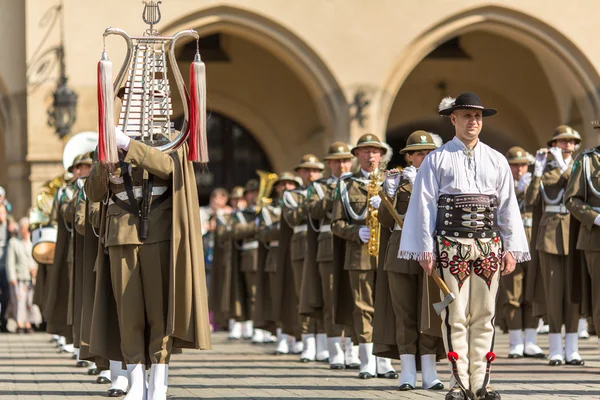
(347, 206)
(587, 170)
(550, 201)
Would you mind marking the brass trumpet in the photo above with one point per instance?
(267, 181)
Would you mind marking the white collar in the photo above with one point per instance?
(365, 173)
(460, 143)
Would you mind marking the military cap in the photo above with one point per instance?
(288, 177)
(419, 140)
(76, 161)
(237, 192)
(86, 158)
(338, 151)
(310, 161)
(251, 185)
(565, 132)
(517, 155)
(369, 140)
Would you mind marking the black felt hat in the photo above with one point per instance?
(464, 101)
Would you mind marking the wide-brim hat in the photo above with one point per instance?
(310, 161)
(517, 155)
(236, 193)
(464, 101)
(565, 132)
(86, 158)
(419, 140)
(251, 185)
(288, 177)
(369, 140)
(338, 151)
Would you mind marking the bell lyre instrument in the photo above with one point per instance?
(372, 246)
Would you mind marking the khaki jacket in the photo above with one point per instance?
(553, 230)
(346, 227)
(245, 230)
(582, 202)
(321, 209)
(294, 213)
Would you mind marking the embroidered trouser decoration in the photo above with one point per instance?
(468, 323)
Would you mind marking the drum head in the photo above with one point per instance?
(43, 253)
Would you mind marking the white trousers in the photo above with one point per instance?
(471, 269)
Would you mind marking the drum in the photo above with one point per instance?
(43, 240)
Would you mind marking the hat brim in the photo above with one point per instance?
(339, 156)
(486, 112)
(286, 180)
(417, 147)
(519, 160)
(369, 144)
(563, 136)
(596, 124)
(319, 166)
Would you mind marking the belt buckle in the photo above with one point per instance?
(473, 224)
(473, 217)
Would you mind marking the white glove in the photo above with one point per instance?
(122, 139)
(597, 220)
(540, 162)
(391, 184)
(364, 233)
(410, 173)
(558, 156)
(524, 182)
(375, 201)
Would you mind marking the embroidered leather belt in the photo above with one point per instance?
(528, 222)
(137, 192)
(250, 245)
(274, 243)
(300, 228)
(325, 228)
(558, 209)
(467, 216)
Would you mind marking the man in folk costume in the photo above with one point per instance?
(320, 205)
(274, 305)
(354, 268)
(546, 193)
(582, 198)
(56, 306)
(518, 312)
(404, 278)
(465, 221)
(295, 216)
(150, 224)
(244, 233)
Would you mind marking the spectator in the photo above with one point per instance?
(3, 199)
(21, 270)
(217, 202)
(4, 288)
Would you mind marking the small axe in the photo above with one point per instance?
(448, 295)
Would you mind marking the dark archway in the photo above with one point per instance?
(234, 156)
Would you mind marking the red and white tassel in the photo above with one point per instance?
(197, 142)
(107, 142)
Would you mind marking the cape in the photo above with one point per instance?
(187, 316)
(311, 295)
(579, 281)
(534, 290)
(285, 300)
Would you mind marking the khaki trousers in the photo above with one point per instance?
(592, 258)
(362, 284)
(406, 291)
(518, 313)
(326, 272)
(307, 324)
(140, 279)
(471, 269)
(559, 309)
(250, 283)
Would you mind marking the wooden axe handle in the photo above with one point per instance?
(441, 284)
(390, 207)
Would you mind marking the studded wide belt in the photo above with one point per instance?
(469, 215)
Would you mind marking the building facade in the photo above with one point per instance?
(289, 77)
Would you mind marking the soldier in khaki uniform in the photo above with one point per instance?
(405, 277)
(276, 284)
(348, 223)
(320, 205)
(547, 189)
(245, 231)
(582, 198)
(151, 232)
(517, 311)
(294, 213)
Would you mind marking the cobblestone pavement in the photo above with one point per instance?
(30, 368)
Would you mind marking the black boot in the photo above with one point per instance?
(488, 393)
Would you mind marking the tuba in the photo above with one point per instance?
(372, 246)
(142, 84)
(267, 180)
(43, 228)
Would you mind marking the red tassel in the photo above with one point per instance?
(101, 139)
(198, 149)
(452, 356)
(107, 146)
